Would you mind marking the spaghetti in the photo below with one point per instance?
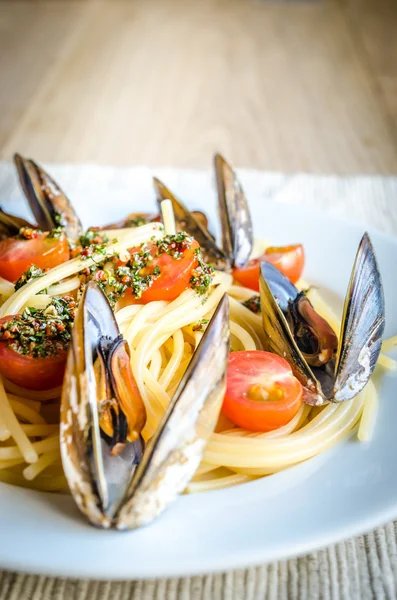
(162, 337)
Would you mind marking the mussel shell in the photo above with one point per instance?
(237, 235)
(314, 336)
(10, 225)
(47, 201)
(133, 220)
(80, 440)
(202, 219)
(279, 340)
(281, 287)
(363, 321)
(187, 221)
(363, 324)
(175, 451)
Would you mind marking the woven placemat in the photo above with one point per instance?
(361, 568)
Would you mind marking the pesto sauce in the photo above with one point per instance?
(41, 332)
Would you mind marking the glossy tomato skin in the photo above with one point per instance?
(174, 278)
(248, 276)
(18, 255)
(29, 372)
(290, 260)
(32, 373)
(253, 368)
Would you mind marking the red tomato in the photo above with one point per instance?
(29, 372)
(17, 255)
(248, 276)
(175, 275)
(262, 393)
(289, 260)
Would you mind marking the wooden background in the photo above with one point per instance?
(280, 86)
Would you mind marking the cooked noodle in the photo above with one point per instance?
(162, 337)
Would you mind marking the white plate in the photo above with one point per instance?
(345, 492)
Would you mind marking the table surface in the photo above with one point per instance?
(285, 86)
(276, 86)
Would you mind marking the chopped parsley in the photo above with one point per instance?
(253, 303)
(140, 268)
(137, 220)
(41, 332)
(89, 244)
(202, 275)
(175, 245)
(107, 281)
(57, 232)
(28, 233)
(139, 272)
(199, 325)
(32, 273)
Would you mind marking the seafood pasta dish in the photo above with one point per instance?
(144, 359)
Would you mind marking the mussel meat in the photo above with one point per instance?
(116, 479)
(314, 337)
(329, 370)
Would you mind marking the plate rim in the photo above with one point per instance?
(312, 544)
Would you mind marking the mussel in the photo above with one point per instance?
(329, 370)
(237, 236)
(314, 337)
(10, 225)
(133, 220)
(47, 201)
(116, 479)
(188, 221)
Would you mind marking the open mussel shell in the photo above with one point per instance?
(314, 337)
(280, 286)
(363, 323)
(345, 375)
(80, 440)
(47, 201)
(130, 489)
(10, 225)
(175, 451)
(280, 340)
(194, 225)
(237, 236)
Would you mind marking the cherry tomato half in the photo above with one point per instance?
(289, 260)
(29, 372)
(17, 255)
(175, 274)
(262, 394)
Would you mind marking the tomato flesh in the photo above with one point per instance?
(175, 274)
(18, 255)
(248, 276)
(289, 260)
(262, 393)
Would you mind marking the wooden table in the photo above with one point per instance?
(277, 86)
